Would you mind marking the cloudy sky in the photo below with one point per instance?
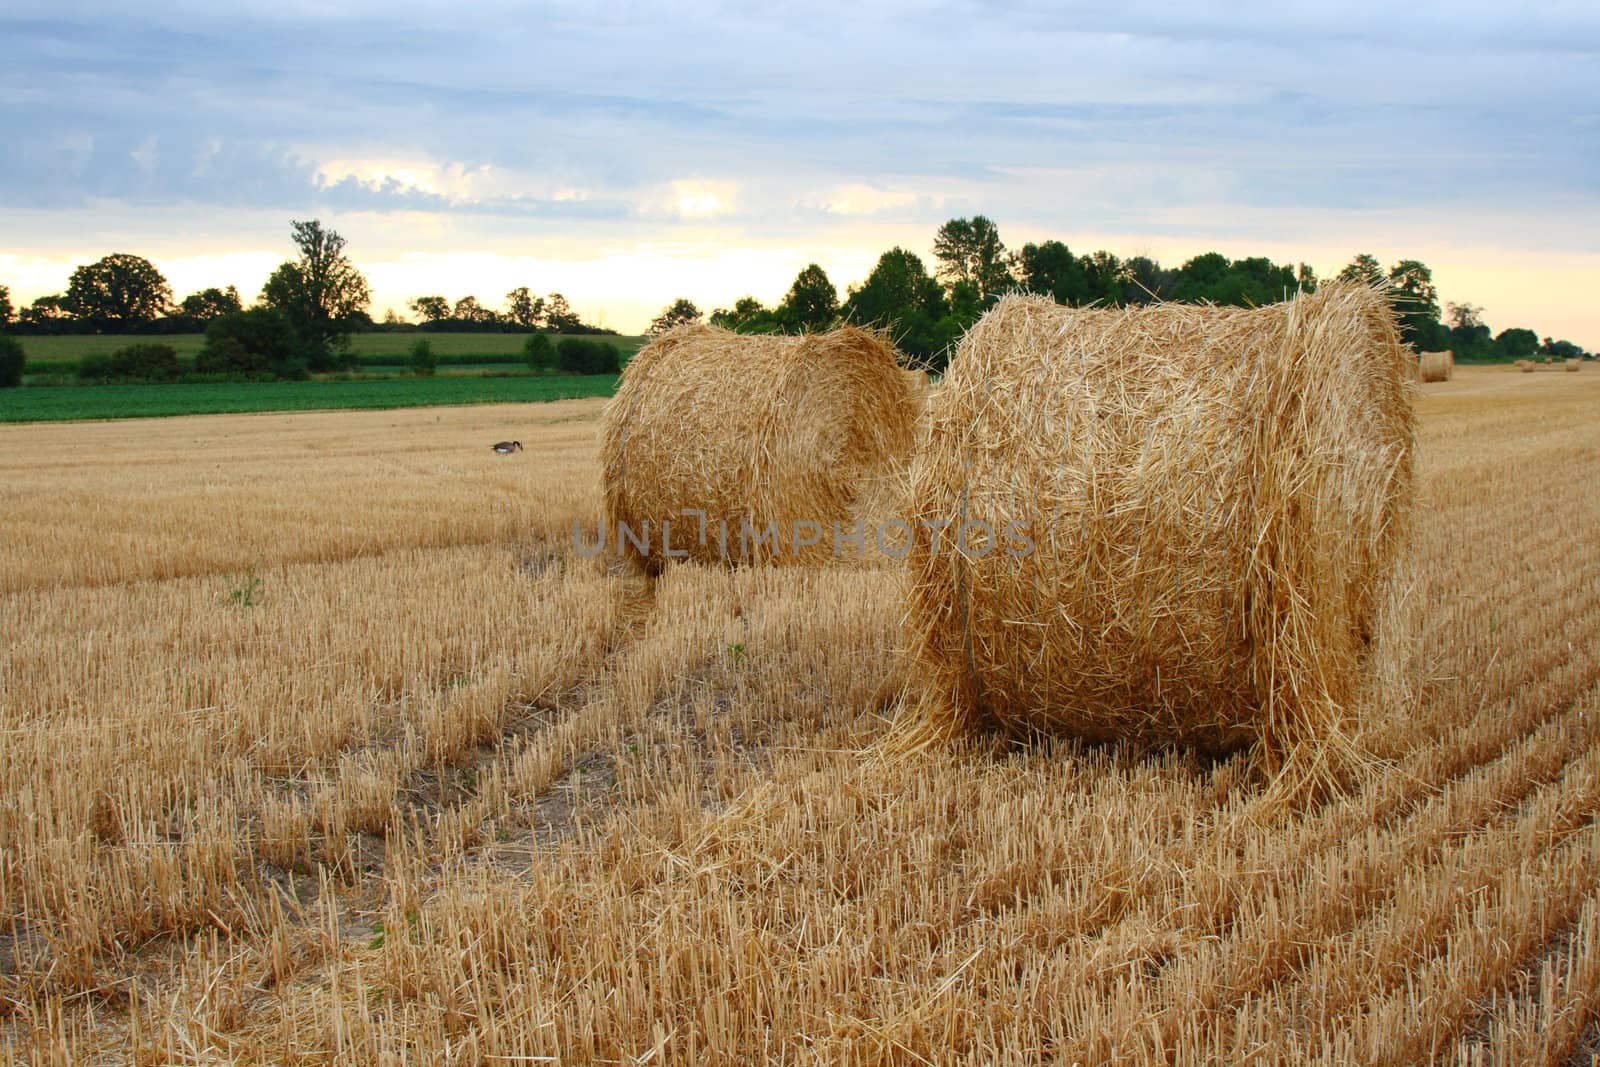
(710, 150)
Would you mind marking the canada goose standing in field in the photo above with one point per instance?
(505, 448)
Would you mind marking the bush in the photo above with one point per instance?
(578, 356)
(94, 368)
(422, 360)
(539, 353)
(267, 335)
(12, 360)
(227, 357)
(146, 363)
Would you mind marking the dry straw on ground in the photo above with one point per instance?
(1216, 498)
(757, 432)
(1438, 366)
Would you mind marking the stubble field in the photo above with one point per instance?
(320, 743)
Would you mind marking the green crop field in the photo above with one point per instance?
(56, 403)
(54, 354)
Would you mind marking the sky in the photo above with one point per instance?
(647, 151)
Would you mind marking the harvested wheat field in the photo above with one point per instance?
(320, 743)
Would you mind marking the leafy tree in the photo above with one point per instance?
(1560, 349)
(970, 250)
(1363, 268)
(1464, 316)
(118, 292)
(146, 363)
(1145, 281)
(422, 360)
(681, 312)
(319, 292)
(47, 313)
(12, 362)
(902, 297)
(468, 309)
(559, 316)
(748, 315)
(1517, 343)
(1050, 269)
(539, 352)
(1307, 278)
(430, 308)
(5, 307)
(265, 333)
(1102, 278)
(1416, 300)
(209, 303)
(812, 302)
(523, 308)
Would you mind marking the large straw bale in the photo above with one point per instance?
(761, 433)
(1215, 498)
(1438, 366)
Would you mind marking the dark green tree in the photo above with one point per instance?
(263, 332)
(523, 308)
(1363, 268)
(47, 314)
(1050, 269)
(1102, 278)
(580, 355)
(430, 308)
(970, 250)
(559, 316)
(207, 304)
(421, 360)
(1144, 281)
(812, 302)
(748, 315)
(320, 292)
(681, 312)
(468, 309)
(539, 353)
(12, 362)
(1416, 301)
(146, 363)
(5, 307)
(903, 298)
(1517, 343)
(118, 293)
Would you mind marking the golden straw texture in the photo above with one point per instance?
(1438, 366)
(1216, 500)
(764, 434)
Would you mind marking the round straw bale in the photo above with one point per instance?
(1525, 366)
(1574, 365)
(1438, 366)
(1170, 524)
(772, 438)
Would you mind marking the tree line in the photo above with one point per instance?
(303, 319)
(927, 312)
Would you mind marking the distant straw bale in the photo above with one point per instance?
(1526, 366)
(1438, 366)
(1574, 365)
(773, 438)
(1171, 524)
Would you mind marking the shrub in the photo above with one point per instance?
(12, 359)
(94, 368)
(422, 359)
(579, 356)
(229, 358)
(146, 363)
(539, 352)
(267, 335)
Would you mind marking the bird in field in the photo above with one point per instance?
(505, 448)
